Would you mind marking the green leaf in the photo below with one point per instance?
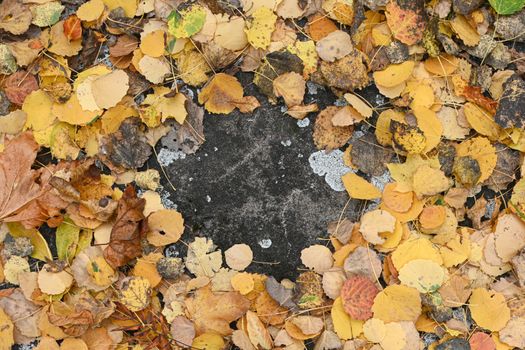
(67, 237)
(41, 250)
(185, 23)
(507, 7)
(46, 14)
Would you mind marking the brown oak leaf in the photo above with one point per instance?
(129, 229)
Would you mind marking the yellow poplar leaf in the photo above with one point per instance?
(219, 95)
(394, 74)
(166, 227)
(424, 275)
(152, 44)
(72, 113)
(41, 250)
(345, 327)
(465, 31)
(430, 125)
(412, 249)
(129, 6)
(397, 303)
(489, 309)
(135, 293)
(6, 331)
(208, 341)
(482, 151)
(243, 282)
(37, 106)
(428, 181)
(91, 10)
(359, 188)
(259, 32)
(481, 121)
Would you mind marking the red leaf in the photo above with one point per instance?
(73, 28)
(358, 295)
(19, 85)
(481, 341)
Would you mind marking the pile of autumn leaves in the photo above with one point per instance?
(406, 267)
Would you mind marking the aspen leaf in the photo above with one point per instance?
(317, 257)
(109, 89)
(398, 201)
(15, 266)
(37, 105)
(442, 65)
(359, 105)
(53, 283)
(465, 31)
(185, 23)
(6, 331)
(67, 236)
(243, 282)
(345, 327)
(152, 43)
(509, 235)
(394, 74)
(397, 303)
(135, 293)
(375, 222)
(208, 341)
(257, 332)
(480, 149)
(482, 341)
(334, 46)
(374, 330)
(512, 333)
(481, 121)
(359, 188)
(412, 249)
(154, 69)
(489, 309)
(291, 86)
(507, 7)
(328, 136)
(424, 275)
(259, 31)
(91, 10)
(60, 44)
(223, 93)
(41, 249)
(357, 295)
(406, 21)
(238, 256)
(428, 181)
(166, 227)
(72, 112)
(308, 324)
(432, 217)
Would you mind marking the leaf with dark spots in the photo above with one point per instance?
(369, 156)
(512, 104)
(128, 147)
(128, 231)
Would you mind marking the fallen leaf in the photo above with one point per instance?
(182, 330)
(359, 188)
(334, 46)
(375, 222)
(187, 22)
(357, 294)
(394, 74)
(424, 275)
(213, 312)
(135, 293)
(16, 17)
(222, 94)
(317, 257)
(202, 258)
(238, 256)
(326, 135)
(165, 227)
(344, 326)
(489, 309)
(259, 30)
(406, 20)
(291, 86)
(397, 303)
(512, 333)
(128, 231)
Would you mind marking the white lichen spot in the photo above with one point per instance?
(208, 198)
(215, 149)
(331, 166)
(303, 123)
(300, 155)
(166, 157)
(265, 243)
(166, 201)
(286, 143)
(381, 180)
(312, 87)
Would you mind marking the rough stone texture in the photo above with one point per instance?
(251, 181)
